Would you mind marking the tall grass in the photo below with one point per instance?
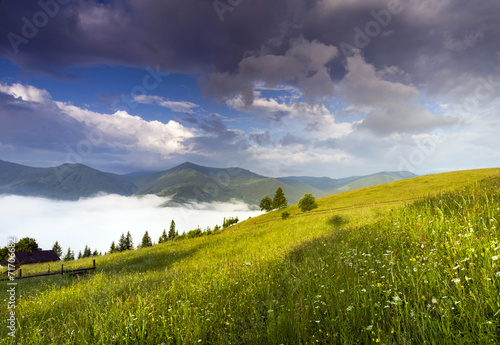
(424, 273)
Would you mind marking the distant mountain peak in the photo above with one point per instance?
(187, 165)
(186, 182)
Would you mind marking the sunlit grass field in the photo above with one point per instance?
(405, 272)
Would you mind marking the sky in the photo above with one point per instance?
(284, 87)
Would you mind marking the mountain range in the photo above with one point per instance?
(187, 182)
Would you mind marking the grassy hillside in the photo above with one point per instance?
(367, 267)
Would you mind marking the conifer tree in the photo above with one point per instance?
(163, 238)
(171, 231)
(113, 248)
(279, 200)
(86, 252)
(129, 243)
(57, 248)
(69, 255)
(146, 241)
(122, 243)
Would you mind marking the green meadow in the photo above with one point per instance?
(409, 262)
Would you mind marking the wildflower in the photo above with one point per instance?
(456, 280)
(494, 258)
(434, 301)
(369, 328)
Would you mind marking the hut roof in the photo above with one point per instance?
(36, 257)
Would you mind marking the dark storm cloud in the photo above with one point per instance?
(431, 40)
(434, 42)
(177, 35)
(303, 65)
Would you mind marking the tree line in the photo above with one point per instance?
(278, 201)
(125, 242)
(306, 203)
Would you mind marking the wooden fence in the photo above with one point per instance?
(49, 273)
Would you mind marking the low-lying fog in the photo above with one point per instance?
(100, 220)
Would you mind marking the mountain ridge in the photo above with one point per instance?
(183, 183)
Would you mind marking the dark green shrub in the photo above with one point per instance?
(337, 221)
(194, 233)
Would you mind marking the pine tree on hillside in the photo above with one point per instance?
(96, 253)
(57, 248)
(79, 255)
(279, 200)
(69, 255)
(129, 243)
(86, 252)
(146, 241)
(171, 231)
(122, 243)
(266, 204)
(113, 248)
(163, 238)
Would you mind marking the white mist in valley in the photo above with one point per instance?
(98, 221)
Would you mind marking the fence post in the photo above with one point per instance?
(20, 273)
(62, 268)
(48, 268)
(93, 261)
